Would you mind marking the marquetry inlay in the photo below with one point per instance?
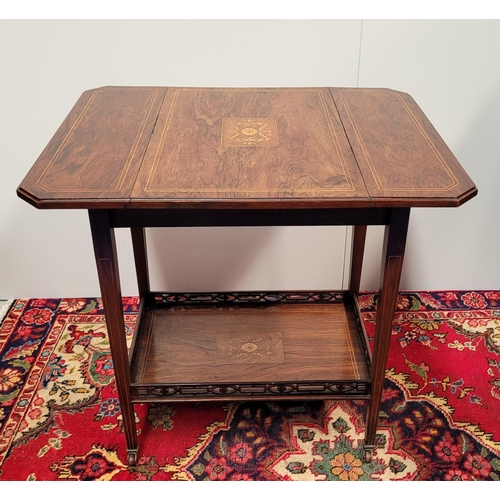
(236, 348)
(256, 132)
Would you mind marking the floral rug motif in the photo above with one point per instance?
(334, 452)
(60, 415)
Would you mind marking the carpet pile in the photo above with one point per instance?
(440, 420)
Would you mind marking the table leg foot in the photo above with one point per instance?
(369, 452)
(132, 456)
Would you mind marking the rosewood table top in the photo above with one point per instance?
(159, 147)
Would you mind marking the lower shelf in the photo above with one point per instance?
(285, 349)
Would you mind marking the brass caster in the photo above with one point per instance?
(368, 455)
(131, 457)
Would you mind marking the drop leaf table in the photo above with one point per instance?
(142, 157)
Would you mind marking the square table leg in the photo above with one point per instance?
(141, 260)
(394, 248)
(107, 269)
(358, 251)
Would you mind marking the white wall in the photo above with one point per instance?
(449, 67)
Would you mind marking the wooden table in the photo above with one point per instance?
(161, 157)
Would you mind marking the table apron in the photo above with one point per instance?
(248, 217)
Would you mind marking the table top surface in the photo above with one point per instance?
(159, 147)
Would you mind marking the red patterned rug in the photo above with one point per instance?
(440, 420)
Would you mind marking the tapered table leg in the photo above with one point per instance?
(358, 251)
(141, 260)
(394, 247)
(107, 268)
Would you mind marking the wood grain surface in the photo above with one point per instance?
(259, 143)
(249, 344)
(398, 151)
(98, 150)
(153, 147)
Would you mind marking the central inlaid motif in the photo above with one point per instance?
(235, 348)
(256, 132)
